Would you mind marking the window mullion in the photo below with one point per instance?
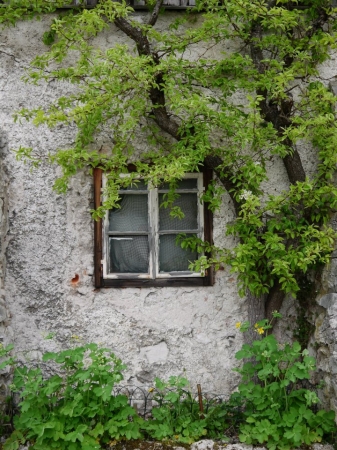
(197, 232)
(127, 233)
(105, 256)
(153, 232)
(200, 207)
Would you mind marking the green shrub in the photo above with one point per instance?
(177, 416)
(75, 411)
(5, 400)
(5, 358)
(278, 413)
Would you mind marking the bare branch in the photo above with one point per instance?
(155, 13)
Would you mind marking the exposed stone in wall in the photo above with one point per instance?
(4, 312)
(3, 231)
(205, 444)
(324, 341)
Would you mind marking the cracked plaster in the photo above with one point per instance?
(49, 286)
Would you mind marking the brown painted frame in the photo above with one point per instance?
(100, 282)
(172, 7)
(92, 3)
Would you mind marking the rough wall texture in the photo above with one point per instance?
(325, 338)
(3, 231)
(156, 332)
(5, 328)
(324, 314)
(49, 250)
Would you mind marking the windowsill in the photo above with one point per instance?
(158, 282)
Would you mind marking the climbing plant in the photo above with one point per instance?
(231, 84)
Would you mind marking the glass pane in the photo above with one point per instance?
(189, 206)
(138, 185)
(172, 257)
(187, 183)
(129, 254)
(131, 216)
(171, 3)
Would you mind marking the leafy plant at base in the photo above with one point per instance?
(75, 410)
(177, 416)
(6, 410)
(5, 353)
(278, 413)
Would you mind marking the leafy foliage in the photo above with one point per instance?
(75, 410)
(278, 412)
(13, 10)
(6, 360)
(184, 112)
(177, 416)
(5, 356)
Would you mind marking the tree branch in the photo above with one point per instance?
(155, 13)
(276, 113)
(161, 116)
(136, 34)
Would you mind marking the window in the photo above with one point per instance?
(135, 245)
(138, 4)
(168, 4)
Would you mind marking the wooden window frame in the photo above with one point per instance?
(173, 281)
(133, 4)
(88, 4)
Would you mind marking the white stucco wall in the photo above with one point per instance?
(156, 332)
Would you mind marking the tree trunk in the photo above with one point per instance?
(256, 312)
(279, 115)
(274, 301)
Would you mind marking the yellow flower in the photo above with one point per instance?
(260, 330)
(75, 337)
(151, 389)
(238, 325)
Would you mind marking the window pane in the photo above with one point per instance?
(167, 3)
(129, 254)
(189, 206)
(138, 185)
(187, 183)
(131, 216)
(172, 257)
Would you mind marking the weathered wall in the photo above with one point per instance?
(49, 250)
(5, 329)
(324, 341)
(157, 332)
(4, 315)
